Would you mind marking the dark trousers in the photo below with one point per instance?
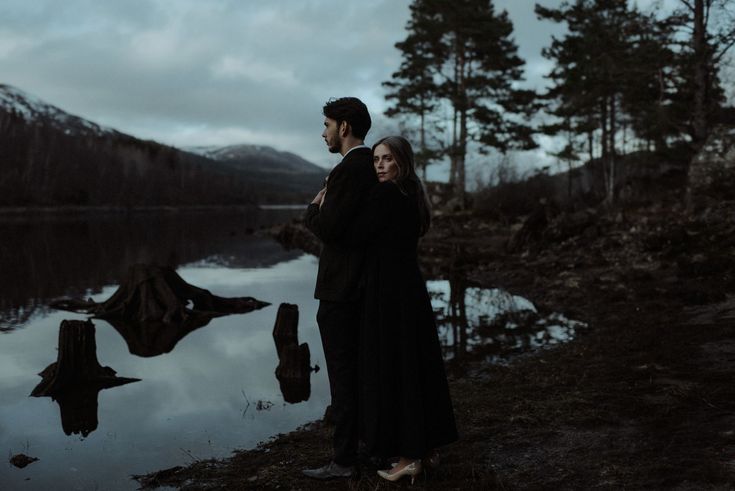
(339, 328)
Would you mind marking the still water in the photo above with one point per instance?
(214, 389)
(214, 392)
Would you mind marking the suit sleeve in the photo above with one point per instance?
(346, 194)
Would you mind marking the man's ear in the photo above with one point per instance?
(344, 129)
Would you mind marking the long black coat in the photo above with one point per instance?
(405, 406)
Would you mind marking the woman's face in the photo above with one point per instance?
(385, 164)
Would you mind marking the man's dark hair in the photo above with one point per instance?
(353, 111)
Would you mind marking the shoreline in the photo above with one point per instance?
(641, 399)
(33, 211)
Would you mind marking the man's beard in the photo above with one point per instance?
(336, 146)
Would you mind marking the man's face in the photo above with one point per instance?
(331, 135)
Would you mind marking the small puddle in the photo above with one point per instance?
(497, 323)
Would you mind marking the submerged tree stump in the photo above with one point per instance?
(77, 363)
(154, 308)
(286, 329)
(293, 371)
(76, 377)
(158, 293)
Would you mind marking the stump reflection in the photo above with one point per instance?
(154, 308)
(76, 377)
(293, 371)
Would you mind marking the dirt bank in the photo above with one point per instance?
(642, 399)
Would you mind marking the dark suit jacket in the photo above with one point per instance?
(340, 265)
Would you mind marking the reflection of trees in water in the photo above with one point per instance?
(12, 315)
(493, 322)
(44, 258)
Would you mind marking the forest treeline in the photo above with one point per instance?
(623, 80)
(43, 163)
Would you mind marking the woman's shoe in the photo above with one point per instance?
(413, 469)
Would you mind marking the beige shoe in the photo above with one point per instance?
(413, 469)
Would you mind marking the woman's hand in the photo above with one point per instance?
(319, 198)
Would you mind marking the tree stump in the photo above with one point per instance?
(154, 308)
(76, 377)
(533, 228)
(286, 329)
(293, 371)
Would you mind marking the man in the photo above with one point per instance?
(346, 122)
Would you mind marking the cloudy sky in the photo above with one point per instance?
(218, 72)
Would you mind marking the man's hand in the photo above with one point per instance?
(319, 198)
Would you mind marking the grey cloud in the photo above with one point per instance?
(188, 72)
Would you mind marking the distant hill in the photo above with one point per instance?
(49, 157)
(260, 158)
(266, 164)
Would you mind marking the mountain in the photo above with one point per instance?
(264, 164)
(260, 158)
(49, 157)
(30, 108)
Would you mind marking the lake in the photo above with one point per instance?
(210, 392)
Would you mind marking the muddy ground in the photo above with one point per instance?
(642, 399)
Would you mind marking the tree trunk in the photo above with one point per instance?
(422, 137)
(461, 157)
(612, 157)
(453, 151)
(701, 71)
(462, 103)
(591, 144)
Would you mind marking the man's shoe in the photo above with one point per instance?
(330, 471)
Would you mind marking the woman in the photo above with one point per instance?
(405, 404)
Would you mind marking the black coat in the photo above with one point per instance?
(340, 264)
(405, 406)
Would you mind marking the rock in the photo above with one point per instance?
(532, 230)
(22, 460)
(297, 236)
(572, 224)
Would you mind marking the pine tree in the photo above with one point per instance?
(412, 90)
(607, 73)
(460, 56)
(710, 28)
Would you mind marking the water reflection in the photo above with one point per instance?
(192, 401)
(75, 379)
(46, 257)
(154, 308)
(493, 322)
(293, 371)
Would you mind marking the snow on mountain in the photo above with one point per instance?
(251, 158)
(266, 158)
(33, 109)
